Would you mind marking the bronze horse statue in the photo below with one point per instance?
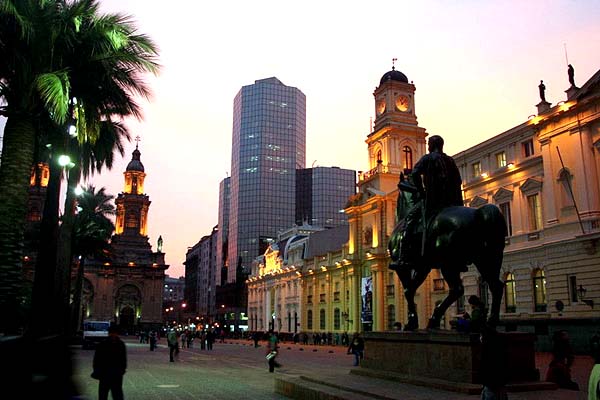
(455, 238)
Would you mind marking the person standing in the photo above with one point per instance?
(357, 347)
(152, 340)
(559, 370)
(493, 366)
(478, 314)
(109, 365)
(173, 344)
(273, 351)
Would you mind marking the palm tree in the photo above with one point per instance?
(92, 228)
(53, 52)
(31, 82)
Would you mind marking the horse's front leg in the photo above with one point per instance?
(456, 289)
(411, 280)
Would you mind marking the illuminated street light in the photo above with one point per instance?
(64, 160)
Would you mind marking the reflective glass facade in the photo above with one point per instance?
(268, 145)
(221, 257)
(321, 193)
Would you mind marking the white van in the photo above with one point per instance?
(94, 332)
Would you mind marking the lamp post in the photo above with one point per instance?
(581, 292)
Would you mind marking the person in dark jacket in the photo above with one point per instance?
(110, 364)
(493, 366)
(357, 347)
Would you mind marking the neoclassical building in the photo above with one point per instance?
(544, 175)
(128, 289)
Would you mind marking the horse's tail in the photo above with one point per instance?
(492, 227)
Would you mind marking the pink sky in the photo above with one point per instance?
(476, 66)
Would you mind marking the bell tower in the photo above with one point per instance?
(130, 239)
(397, 141)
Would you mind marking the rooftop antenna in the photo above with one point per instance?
(566, 55)
(394, 63)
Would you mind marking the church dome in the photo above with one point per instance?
(135, 164)
(393, 75)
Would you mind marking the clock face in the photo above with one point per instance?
(380, 106)
(402, 103)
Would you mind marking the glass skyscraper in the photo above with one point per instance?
(268, 145)
(321, 193)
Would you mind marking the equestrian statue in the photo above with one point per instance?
(435, 231)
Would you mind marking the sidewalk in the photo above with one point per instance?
(340, 384)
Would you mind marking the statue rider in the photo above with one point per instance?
(438, 183)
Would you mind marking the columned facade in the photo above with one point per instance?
(544, 176)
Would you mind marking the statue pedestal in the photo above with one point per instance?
(445, 359)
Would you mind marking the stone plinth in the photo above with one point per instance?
(446, 355)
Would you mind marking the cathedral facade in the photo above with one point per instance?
(128, 290)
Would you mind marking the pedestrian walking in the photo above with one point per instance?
(173, 344)
(109, 365)
(273, 351)
(210, 339)
(357, 347)
(152, 340)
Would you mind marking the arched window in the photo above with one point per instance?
(379, 156)
(539, 290)
(391, 316)
(309, 320)
(322, 319)
(510, 294)
(407, 162)
(336, 319)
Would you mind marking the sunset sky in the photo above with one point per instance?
(476, 66)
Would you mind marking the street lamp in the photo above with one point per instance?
(581, 292)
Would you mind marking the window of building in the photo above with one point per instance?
(505, 210)
(309, 299)
(322, 319)
(535, 212)
(476, 168)
(408, 158)
(389, 290)
(539, 290)
(501, 159)
(391, 316)
(378, 156)
(527, 148)
(309, 319)
(336, 319)
(510, 294)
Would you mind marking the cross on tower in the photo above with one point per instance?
(394, 63)
(137, 140)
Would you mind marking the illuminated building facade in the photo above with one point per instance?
(128, 289)
(268, 145)
(544, 174)
(394, 145)
(223, 233)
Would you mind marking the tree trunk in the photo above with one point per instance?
(77, 297)
(15, 168)
(47, 311)
(64, 260)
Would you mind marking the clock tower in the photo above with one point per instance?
(397, 141)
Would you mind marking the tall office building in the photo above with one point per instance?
(223, 234)
(321, 193)
(268, 145)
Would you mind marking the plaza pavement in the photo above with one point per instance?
(237, 370)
